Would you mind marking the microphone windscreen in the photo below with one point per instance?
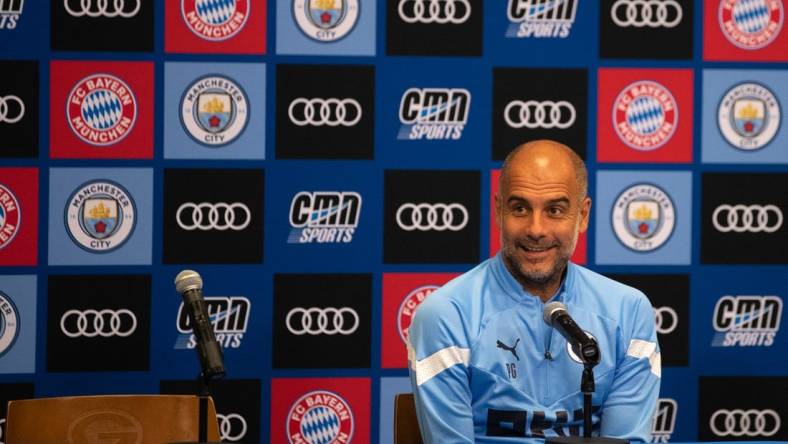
(552, 309)
(187, 280)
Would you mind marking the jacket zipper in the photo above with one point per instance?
(548, 364)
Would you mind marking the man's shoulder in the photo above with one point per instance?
(458, 302)
(607, 288)
(465, 290)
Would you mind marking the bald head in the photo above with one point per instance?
(545, 155)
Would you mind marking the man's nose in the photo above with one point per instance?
(536, 226)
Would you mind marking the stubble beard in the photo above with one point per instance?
(535, 278)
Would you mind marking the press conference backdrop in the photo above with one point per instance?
(326, 164)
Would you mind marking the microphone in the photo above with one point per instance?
(556, 316)
(189, 284)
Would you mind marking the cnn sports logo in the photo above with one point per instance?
(10, 12)
(664, 421)
(433, 113)
(324, 217)
(229, 316)
(746, 321)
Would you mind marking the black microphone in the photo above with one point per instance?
(189, 284)
(556, 316)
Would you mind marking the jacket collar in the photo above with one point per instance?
(513, 288)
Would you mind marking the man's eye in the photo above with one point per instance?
(518, 209)
(556, 211)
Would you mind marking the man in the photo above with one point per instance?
(486, 368)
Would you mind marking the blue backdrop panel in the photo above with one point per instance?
(295, 151)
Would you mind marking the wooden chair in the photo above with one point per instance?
(122, 419)
(406, 425)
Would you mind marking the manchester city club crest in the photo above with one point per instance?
(9, 323)
(320, 417)
(645, 115)
(10, 216)
(751, 24)
(214, 110)
(326, 20)
(215, 20)
(749, 116)
(643, 217)
(100, 216)
(101, 109)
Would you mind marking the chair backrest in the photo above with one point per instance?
(406, 425)
(121, 419)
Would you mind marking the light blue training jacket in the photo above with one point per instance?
(486, 368)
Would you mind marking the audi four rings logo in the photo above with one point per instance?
(232, 427)
(325, 321)
(751, 422)
(102, 8)
(545, 114)
(752, 218)
(651, 13)
(213, 216)
(91, 323)
(9, 113)
(329, 112)
(666, 320)
(427, 216)
(434, 11)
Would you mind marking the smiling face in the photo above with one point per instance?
(541, 208)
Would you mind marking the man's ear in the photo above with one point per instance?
(585, 212)
(498, 208)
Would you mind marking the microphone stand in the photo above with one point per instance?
(203, 395)
(587, 387)
(590, 355)
(208, 350)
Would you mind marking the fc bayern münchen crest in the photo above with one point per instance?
(643, 217)
(10, 216)
(645, 115)
(101, 109)
(326, 20)
(749, 116)
(751, 24)
(100, 216)
(214, 110)
(215, 20)
(320, 417)
(9, 323)
(408, 308)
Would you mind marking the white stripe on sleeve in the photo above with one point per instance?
(437, 362)
(639, 349)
